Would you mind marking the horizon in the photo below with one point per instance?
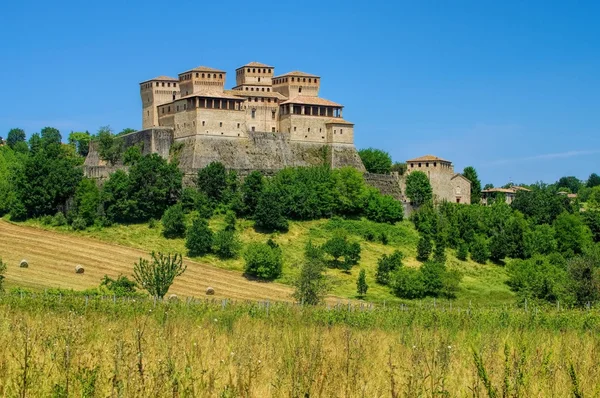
(509, 89)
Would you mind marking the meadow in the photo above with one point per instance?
(66, 345)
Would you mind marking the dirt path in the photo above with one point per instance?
(53, 256)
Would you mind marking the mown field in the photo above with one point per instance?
(59, 346)
(480, 283)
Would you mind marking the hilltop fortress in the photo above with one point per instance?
(265, 122)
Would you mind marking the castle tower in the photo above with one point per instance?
(155, 92)
(201, 80)
(254, 75)
(295, 84)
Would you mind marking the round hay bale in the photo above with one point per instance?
(173, 297)
(23, 264)
(210, 291)
(79, 269)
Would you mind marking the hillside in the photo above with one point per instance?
(96, 249)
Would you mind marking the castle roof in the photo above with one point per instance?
(305, 100)
(203, 69)
(339, 120)
(512, 189)
(211, 94)
(428, 158)
(296, 73)
(458, 175)
(162, 78)
(265, 94)
(255, 64)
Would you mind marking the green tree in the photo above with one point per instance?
(132, 155)
(541, 205)
(110, 148)
(593, 181)
(471, 174)
(479, 250)
(269, 215)
(157, 276)
(252, 188)
(263, 261)
(199, 238)
(35, 143)
(212, 180)
(50, 136)
(383, 208)
(408, 283)
(418, 188)
(424, 248)
(87, 201)
(376, 160)
(539, 239)
(433, 277)
(226, 244)
(584, 272)
(386, 265)
(572, 183)
(173, 221)
(349, 191)
(361, 283)
(80, 141)
(439, 252)
(336, 247)
(118, 207)
(572, 235)
(540, 278)
(14, 136)
(399, 168)
(463, 251)
(311, 285)
(126, 131)
(352, 255)
(591, 218)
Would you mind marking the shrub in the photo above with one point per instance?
(383, 238)
(376, 160)
(212, 180)
(152, 223)
(463, 251)
(18, 212)
(173, 222)
(439, 253)
(408, 283)
(352, 255)
(230, 221)
(338, 247)
(263, 261)
(311, 285)
(122, 286)
(384, 209)
(361, 284)
(424, 248)
(479, 250)
(59, 220)
(157, 276)
(79, 224)
(433, 277)
(226, 245)
(418, 188)
(386, 265)
(199, 238)
(268, 214)
(251, 190)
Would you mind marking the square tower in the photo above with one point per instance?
(155, 92)
(297, 83)
(201, 80)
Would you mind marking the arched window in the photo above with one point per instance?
(203, 75)
(214, 75)
(292, 79)
(197, 74)
(248, 70)
(299, 90)
(220, 75)
(254, 70)
(304, 80)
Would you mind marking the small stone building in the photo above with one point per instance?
(445, 183)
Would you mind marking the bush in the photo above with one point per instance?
(230, 221)
(479, 250)
(173, 222)
(263, 261)
(212, 180)
(122, 286)
(157, 276)
(376, 160)
(268, 214)
(439, 254)
(79, 224)
(311, 285)
(384, 209)
(361, 283)
(386, 266)
(59, 220)
(424, 248)
(408, 283)
(226, 245)
(152, 223)
(463, 251)
(199, 238)
(18, 212)
(352, 255)
(338, 247)
(433, 278)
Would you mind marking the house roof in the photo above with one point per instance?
(255, 64)
(458, 175)
(428, 158)
(203, 69)
(162, 78)
(339, 121)
(296, 73)
(306, 100)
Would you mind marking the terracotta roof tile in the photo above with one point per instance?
(428, 158)
(256, 64)
(211, 94)
(339, 121)
(265, 94)
(203, 69)
(305, 100)
(162, 78)
(297, 73)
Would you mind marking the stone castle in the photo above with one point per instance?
(265, 122)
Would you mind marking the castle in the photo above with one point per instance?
(265, 122)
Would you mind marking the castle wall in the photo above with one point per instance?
(304, 127)
(340, 133)
(215, 122)
(387, 184)
(265, 116)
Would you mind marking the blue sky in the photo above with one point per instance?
(510, 87)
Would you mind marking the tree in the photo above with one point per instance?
(479, 250)
(361, 283)
(584, 272)
(50, 136)
(212, 180)
(386, 265)
(349, 191)
(488, 186)
(539, 239)
(384, 208)
(118, 207)
(126, 131)
(376, 160)
(541, 205)
(408, 283)
(463, 251)
(593, 181)
(439, 253)
(14, 136)
(252, 188)
(424, 248)
(173, 222)
(157, 276)
(35, 143)
(433, 277)
(226, 244)
(471, 174)
(591, 218)
(268, 214)
(338, 247)
(399, 168)
(572, 235)
(87, 201)
(80, 141)
(264, 261)
(110, 148)
(418, 188)
(311, 285)
(352, 255)
(571, 183)
(199, 238)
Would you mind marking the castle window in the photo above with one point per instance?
(320, 130)
(263, 89)
(304, 80)
(434, 164)
(259, 79)
(275, 100)
(268, 89)
(220, 124)
(272, 129)
(215, 75)
(264, 71)
(305, 136)
(341, 131)
(253, 128)
(169, 109)
(412, 165)
(253, 113)
(272, 114)
(255, 99)
(157, 84)
(168, 84)
(184, 107)
(334, 131)
(203, 75)
(262, 99)
(177, 108)
(294, 128)
(174, 84)
(147, 113)
(269, 70)
(248, 70)
(197, 74)
(163, 84)
(292, 79)
(251, 88)
(246, 88)
(238, 125)
(299, 90)
(220, 75)
(163, 110)
(419, 164)
(268, 99)
(427, 164)
(309, 129)
(253, 70)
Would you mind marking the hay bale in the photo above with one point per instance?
(210, 291)
(173, 297)
(79, 269)
(23, 264)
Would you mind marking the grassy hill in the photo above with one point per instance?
(482, 284)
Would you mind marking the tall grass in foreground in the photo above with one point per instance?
(73, 346)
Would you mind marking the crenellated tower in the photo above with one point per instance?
(156, 92)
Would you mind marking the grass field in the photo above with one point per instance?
(64, 346)
(481, 283)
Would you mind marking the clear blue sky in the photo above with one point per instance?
(510, 87)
